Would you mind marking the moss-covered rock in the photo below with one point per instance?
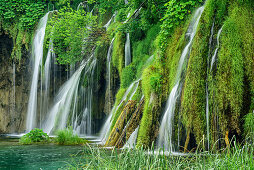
(121, 122)
(131, 125)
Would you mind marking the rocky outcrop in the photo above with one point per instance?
(14, 94)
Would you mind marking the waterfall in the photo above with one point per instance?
(166, 128)
(45, 96)
(131, 143)
(108, 71)
(74, 100)
(37, 53)
(216, 50)
(127, 50)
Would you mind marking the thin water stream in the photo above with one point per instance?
(166, 128)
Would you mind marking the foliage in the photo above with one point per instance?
(35, 135)
(71, 31)
(18, 19)
(176, 12)
(67, 137)
(27, 12)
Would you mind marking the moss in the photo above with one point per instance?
(119, 95)
(138, 95)
(118, 52)
(221, 11)
(244, 18)
(149, 126)
(128, 75)
(229, 77)
(193, 97)
(116, 113)
(146, 121)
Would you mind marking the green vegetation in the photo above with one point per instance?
(193, 101)
(34, 136)
(249, 127)
(158, 29)
(67, 137)
(230, 76)
(176, 13)
(70, 30)
(94, 158)
(18, 19)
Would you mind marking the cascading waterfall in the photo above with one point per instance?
(68, 101)
(216, 50)
(85, 103)
(127, 50)
(37, 54)
(166, 128)
(46, 80)
(131, 143)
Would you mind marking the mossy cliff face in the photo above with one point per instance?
(13, 110)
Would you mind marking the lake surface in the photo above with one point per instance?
(15, 156)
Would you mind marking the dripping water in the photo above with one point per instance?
(216, 50)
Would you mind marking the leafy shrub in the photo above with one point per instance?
(70, 31)
(176, 13)
(67, 137)
(35, 135)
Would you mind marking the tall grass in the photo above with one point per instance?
(67, 137)
(95, 158)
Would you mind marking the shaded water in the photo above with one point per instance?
(15, 156)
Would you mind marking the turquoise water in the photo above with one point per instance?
(14, 156)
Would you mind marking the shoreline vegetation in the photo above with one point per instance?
(234, 156)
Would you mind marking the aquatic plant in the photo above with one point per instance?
(34, 136)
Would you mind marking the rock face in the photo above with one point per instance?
(13, 101)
